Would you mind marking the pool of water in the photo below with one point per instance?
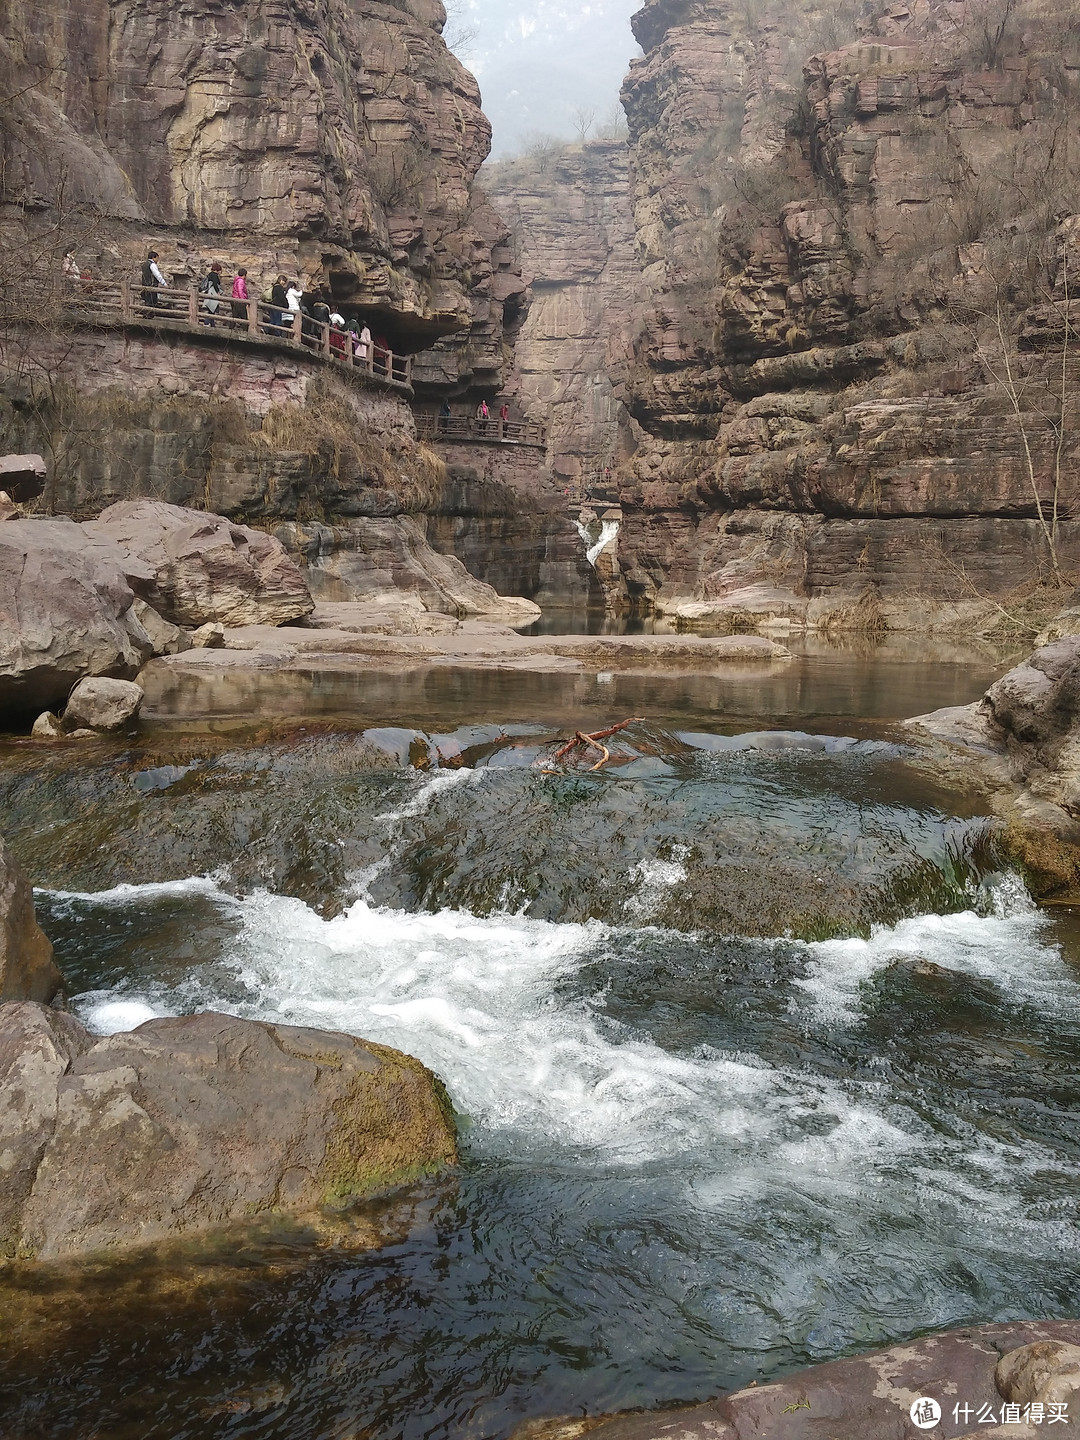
(761, 1054)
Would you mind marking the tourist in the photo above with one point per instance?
(152, 279)
(382, 354)
(294, 297)
(504, 419)
(70, 269)
(339, 344)
(240, 295)
(363, 347)
(444, 417)
(483, 415)
(280, 301)
(210, 286)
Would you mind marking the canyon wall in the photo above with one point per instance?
(335, 143)
(856, 230)
(570, 214)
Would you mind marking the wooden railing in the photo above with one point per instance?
(186, 307)
(467, 427)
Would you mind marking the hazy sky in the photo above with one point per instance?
(536, 63)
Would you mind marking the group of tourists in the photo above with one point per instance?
(482, 421)
(289, 310)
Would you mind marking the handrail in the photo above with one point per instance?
(468, 427)
(137, 304)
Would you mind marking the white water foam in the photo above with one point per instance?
(428, 789)
(537, 1067)
(1007, 948)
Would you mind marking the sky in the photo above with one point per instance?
(538, 63)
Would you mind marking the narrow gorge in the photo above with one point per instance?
(539, 723)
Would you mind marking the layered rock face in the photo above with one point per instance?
(573, 224)
(336, 143)
(859, 286)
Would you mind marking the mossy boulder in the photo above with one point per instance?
(186, 1124)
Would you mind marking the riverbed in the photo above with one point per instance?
(760, 1051)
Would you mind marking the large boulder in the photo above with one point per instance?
(66, 601)
(184, 1124)
(27, 971)
(98, 703)
(205, 568)
(22, 477)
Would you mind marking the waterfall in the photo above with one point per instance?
(608, 530)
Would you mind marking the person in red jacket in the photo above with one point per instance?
(240, 293)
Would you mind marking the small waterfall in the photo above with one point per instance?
(608, 531)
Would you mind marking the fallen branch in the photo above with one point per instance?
(592, 739)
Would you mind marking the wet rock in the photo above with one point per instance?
(185, 1124)
(47, 727)
(102, 704)
(1047, 1372)
(66, 601)
(27, 971)
(166, 638)
(205, 568)
(868, 1397)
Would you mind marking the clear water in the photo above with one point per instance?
(694, 1154)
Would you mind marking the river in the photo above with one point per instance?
(761, 1054)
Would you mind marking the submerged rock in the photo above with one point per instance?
(185, 1124)
(205, 568)
(98, 703)
(867, 1397)
(66, 610)
(27, 971)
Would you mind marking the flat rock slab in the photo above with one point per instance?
(484, 647)
(865, 1398)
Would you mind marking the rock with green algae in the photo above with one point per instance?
(186, 1124)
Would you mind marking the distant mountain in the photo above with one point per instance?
(537, 64)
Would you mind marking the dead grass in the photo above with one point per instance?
(328, 430)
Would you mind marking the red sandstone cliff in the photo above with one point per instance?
(830, 234)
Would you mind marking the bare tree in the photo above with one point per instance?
(583, 118)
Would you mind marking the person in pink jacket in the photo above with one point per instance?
(240, 292)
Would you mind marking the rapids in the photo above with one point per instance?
(760, 1053)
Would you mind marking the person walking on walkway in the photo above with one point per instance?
(294, 299)
(240, 295)
(483, 415)
(210, 287)
(151, 277)
(279, 299)
(504, 419)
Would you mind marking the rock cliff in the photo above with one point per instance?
(857, 235)
(335, 143)
(571, 217)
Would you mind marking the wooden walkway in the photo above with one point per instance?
(185, 309)
(467, 430)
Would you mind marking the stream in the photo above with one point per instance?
(761, 1053)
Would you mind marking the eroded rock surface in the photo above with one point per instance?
(185, 1124)
(868, 1397)
(66, 610)
(821, 383)
(206, 569)
(27, 971)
